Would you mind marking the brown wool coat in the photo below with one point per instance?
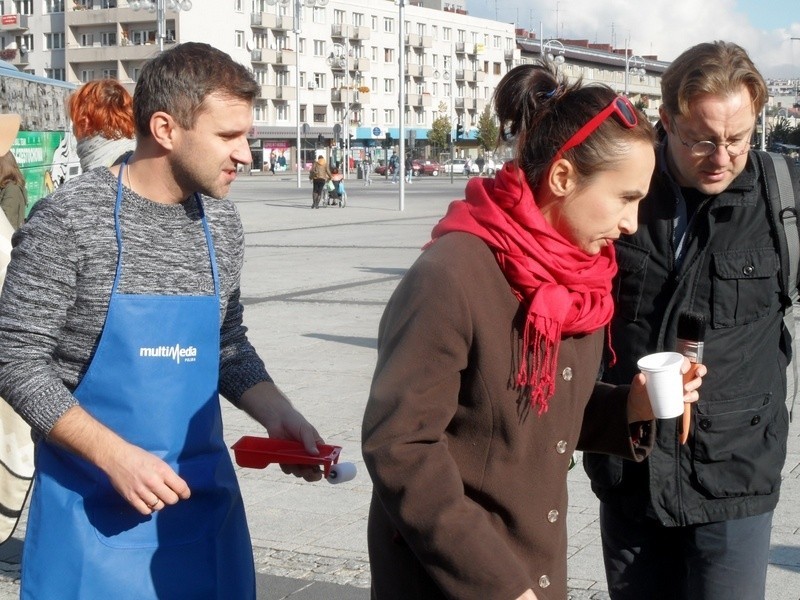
(470, 492)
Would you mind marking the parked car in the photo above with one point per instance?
(426, 167)
(380, 169)
(457, 166)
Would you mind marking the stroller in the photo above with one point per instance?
(334, 192)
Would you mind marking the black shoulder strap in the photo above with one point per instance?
(784, 203)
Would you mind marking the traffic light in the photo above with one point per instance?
(459, 131)
(389, 140)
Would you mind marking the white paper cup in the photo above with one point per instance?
(662, 372)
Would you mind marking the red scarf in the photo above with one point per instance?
(566, 291)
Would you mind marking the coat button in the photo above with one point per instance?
(755, 420)
(705, 424)
(561, 446)
(567, 374)
(552, 516)
(544, 581)
(748, 270)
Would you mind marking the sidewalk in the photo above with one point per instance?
(314, 286)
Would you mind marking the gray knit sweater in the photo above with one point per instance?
(59, 282)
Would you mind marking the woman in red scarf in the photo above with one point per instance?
(489, 351)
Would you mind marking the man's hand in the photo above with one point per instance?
(267, 405)
(143, 479)
(639, 408)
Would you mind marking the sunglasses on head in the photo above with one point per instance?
(619, 106)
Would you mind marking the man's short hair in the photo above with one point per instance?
(179, 80)
(711, 68)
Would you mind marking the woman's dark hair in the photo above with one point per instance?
(539, 111)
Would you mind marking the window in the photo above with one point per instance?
(319, 14)
(320, 114)
(462, 35)
(87, 39)
(374, 114)
(108, 4)
(259, 112)
(59, 74)
(447, 34)
(338, 16)
(388, 55)
(53, 6)
(388, 116)
(87, 75)
(237, 6)
(302, 79)
(496, 41)
(374, 84)
(282, 78)
(435, 32)
(497, 68)
(374, 20)
(319, 80)
(282, 113)
(358, 19)
(25, 42)
(388, 85)
(25, 7)
(238, 36)
(108, 38)
(303, 113)
(109, 73)
(137, 71)
(54, 41)
(388, 25)
(338, 114)
(419, 113)
(319, 47)
(261, 76)
(421, 28)
(374, 53)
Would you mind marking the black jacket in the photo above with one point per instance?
(731, 466)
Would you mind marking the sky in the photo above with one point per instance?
(664, 28)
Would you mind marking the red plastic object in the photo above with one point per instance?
(257, 452)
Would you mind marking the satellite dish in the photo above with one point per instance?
(311, 3)
(249, 45)
(271, 2)
(322, 2)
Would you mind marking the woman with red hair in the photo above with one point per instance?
(102, 121)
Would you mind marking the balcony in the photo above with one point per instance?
(459, 103)
(15, 57)
(419, 71)
(414, 40)
(278, 93)
(14, 23)
(358, 32)
(360, 97)
(360, 63)
(512, 55)
(103, 54)
(340, 31)
(257, 56)
(337, 96)
(475, 104)
(261, 20)
(459, 48)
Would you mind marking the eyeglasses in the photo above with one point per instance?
(707, 147)
(619, 106)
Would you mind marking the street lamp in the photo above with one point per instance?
(160, 7)
(448, 76)
(634, 65)
(795, 39)
(553, 51)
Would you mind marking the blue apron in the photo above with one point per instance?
(153, 380)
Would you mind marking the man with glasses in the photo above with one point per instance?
(693, 520)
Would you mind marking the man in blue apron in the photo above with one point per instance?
(120, 325)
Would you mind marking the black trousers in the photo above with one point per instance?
(725, 560)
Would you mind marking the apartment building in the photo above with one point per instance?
(329, 69)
